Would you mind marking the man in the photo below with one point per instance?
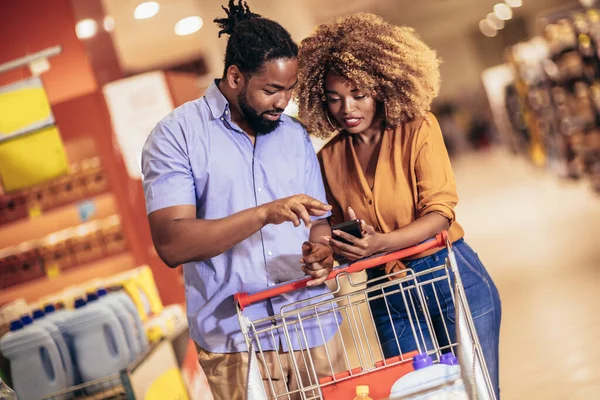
(232, 188)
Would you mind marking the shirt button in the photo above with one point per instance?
(226, 112)
(222, 119)
(259, 189)
(270, 252)
(278, 281)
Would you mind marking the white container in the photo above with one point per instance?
(122, 297)
(99, 345)
(65, 355)
(431, 381)
(35, 363)
(59, 317)
(127, 322)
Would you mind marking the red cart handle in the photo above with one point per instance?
(245, 299)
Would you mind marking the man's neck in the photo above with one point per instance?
(236, 113)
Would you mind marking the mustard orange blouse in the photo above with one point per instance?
(413, 178)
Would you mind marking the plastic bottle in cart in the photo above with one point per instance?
(362, 393)
(34, 361)
(126, 319)
(99, 344)
(431, 381)
(61, 343)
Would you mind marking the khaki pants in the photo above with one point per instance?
(227, 373)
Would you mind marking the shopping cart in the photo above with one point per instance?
(359, 359)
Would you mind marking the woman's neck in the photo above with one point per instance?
(371, 135)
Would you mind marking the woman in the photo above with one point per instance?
(373, 83)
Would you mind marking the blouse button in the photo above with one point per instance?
(370, 201)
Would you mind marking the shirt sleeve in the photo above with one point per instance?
(314, 180)
(337, 215)
(435, 180)
(167, 174)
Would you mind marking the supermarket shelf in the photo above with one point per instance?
(54, 220)
(41, 287)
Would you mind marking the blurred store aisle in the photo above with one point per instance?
(540, 239)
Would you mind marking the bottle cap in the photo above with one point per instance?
(80, 303)
(92, 297)
(37, 314)
(421, 361)
(16, 325)
(26, 320)
(363, 389)
(49, 308)
(449, 359)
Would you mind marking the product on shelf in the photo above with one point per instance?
(35, 361)
(113, 235)
(66, 362)
(12, 207)
(61, 251)
(20, 264)
(56, 253)
(559, 94)
(98, 341)
(85, 179)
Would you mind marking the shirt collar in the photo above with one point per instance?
(217, 103)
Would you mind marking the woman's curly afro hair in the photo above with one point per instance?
(390, 61)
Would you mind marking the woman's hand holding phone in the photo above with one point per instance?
(357, 247)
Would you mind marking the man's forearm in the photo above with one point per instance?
(185, 240)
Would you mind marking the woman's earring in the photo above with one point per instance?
(329, 120)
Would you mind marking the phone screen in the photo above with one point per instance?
(351, 227)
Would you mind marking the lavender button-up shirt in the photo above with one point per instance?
(197, 155)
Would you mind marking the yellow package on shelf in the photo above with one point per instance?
(24, 107)
(32, 158)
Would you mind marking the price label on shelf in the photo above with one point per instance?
(87, 209)
(35, 210)
(52, 270)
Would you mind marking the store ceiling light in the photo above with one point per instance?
(503, 11)
(498, 23)
(188, 25)
(487, 28)
(86, 28)
(109, 23)
(514, 3)
(146, 10)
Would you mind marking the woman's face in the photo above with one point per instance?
(355, 110)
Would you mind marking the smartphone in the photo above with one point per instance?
(351, 227)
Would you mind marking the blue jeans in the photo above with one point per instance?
(484, 301)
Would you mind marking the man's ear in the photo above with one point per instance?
(235, 78)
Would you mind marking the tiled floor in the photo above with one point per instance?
(540, 239)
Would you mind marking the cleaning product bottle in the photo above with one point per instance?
(126, 320)
(429, 379)
(34, 361)
(59, 317)
(61, 344)
(119, 293)
(100, 347)
(362, 393)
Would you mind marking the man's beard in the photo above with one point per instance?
(257, 122)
